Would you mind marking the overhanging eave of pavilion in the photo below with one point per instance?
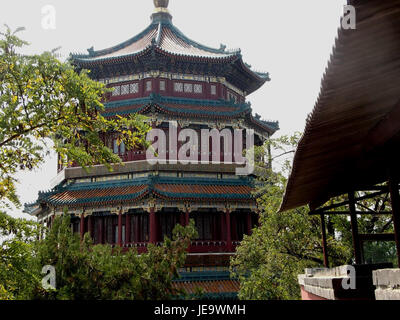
(352, 135)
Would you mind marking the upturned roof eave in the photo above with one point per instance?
(95, 56)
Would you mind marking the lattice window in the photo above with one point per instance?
(134, 87)
(213, 90)
(162, 85)
(125, 89)
(188, 87)
(178, 87)
(198, 88)
(148, 86)
(117, 91)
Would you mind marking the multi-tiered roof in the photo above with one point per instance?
(162, 51)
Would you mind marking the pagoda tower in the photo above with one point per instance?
(169, 78)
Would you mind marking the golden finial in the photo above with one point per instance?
(161, 11)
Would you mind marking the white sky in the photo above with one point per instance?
(291, 39)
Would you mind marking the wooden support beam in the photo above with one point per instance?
(324, 242)
(90, 226)
(120, 228)
(395, 200)
(228, 230)
(82, 226)
(153, 226)
(127, 228)
(102, 230)
(187, 217)
(344, 203)
(249, 224)
(182, 218)
(354, 228)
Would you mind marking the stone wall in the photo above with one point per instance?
(340, 283)
(387, 284)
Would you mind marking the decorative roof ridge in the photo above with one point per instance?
(221, 50)
(264, 76)
(159, 33)
(159, 24)
(101, 199)
(143, 181)
(204, 181)
(94, 54)
(269, 123)
(204, 195)
(156, 98)
(103, 184)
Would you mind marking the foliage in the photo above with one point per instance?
(43, 100)
(100, 272)
(268, 261)
(17, 278)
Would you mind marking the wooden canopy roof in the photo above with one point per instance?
(351, 136)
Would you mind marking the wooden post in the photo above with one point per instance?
(395, 200)
(249, 224)
(90, 226)
(324, 242)
(187, 217)
(228, 230)
(354, 228)
(182, 219)
(139, 228)
(102, 230)
(153, 226)
(82, 229)
(127, 228)
(120, 228)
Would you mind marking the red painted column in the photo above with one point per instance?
(137, 221)
(102, 230)
(127, 228)
(182, 218)
(120, 228)
(228, 230)
(249, 224)
(153, 226)
(82, 231)
(90, 226)
(187, 217)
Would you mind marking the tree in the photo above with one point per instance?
(268, 262)
(44, 101)
(17, 278)
(87, 272)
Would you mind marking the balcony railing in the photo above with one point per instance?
(198, 246)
